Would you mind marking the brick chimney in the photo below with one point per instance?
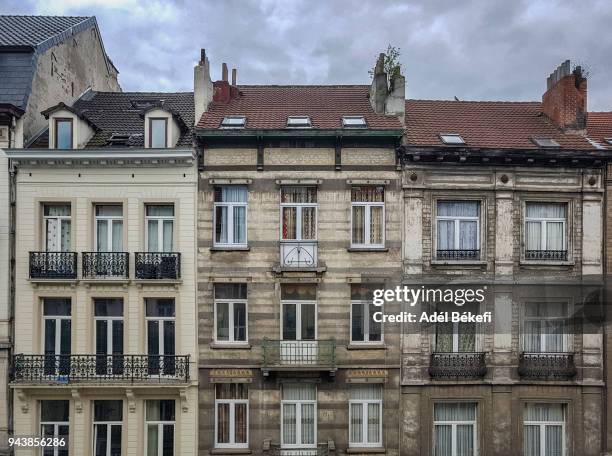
(202, 86)
(223, 91)
(565, 99)
(388, 98)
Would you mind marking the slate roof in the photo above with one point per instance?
(484, 124)
(268, 106)
(34, 30)
(599, 126)
(120, 113)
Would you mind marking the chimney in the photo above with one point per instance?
(202, 86)
(388, 99)
(223, 92)
(565, 99)
(224, 72)
(234, 74)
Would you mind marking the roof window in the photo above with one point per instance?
(545, 142)
(119, 140)
(608, 140)
(233, 122)
(299, 122)
(454, 139)
(353, 122)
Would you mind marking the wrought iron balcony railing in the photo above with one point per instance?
(458, 254)
(99, 368)
(53, 265)
(547, 366)
(457, 365)
(556, 255)
(299, 353)
(322, 449)
(158, 265)
(298, 254)
(102, 265)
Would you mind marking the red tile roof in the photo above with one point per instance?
(599, 126)
(267, 107)
(484, 124)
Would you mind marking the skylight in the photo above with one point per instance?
(298, 122)
(233, 122)
(452, 138)
(353, 122)
(545, 142)
(119, 140)
(608, 140)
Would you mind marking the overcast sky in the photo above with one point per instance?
(472, 49)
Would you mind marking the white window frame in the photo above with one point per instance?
(230, 220)
(298, 420)
(298, 318)
(298, 215)
(540, 319)
(109, 328)
(109, 425)
(160, 431)
(56, 425)
(367, 219)
(307, 123)
(232, 421)
(366, 326)
(160, 329)
(59, 221)
(542, 425)
(454, 425)
(230, 303)
(364, 422)
(347, 122)
(544, 221)
(110, 221)
(457, 222)
(231, 124)
(160, 226)
(58, 328)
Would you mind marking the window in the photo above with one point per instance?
(57, 228)
(57, 336)
(108, 319)
(108, 417)
(63, 133)
(544, 327)
(159, 315)
(299, 307)
(544, 430)
(160, 427)
(368, 214)
(158, 133)
(233, 122)
(353, 122)
(299, 213)
(109, 227)
(545, 231)
(230, 215)
(299, 415)
(458, 230)
(455, 429)
(452, 139)
(363, 326)
(231, 312)
(232, 415)
(54, 423)
(298, 122)
(454, 337)
(545, 142)
(365, 415)
(159, 219)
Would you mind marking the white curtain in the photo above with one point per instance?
(545, 212)
(467, 229)
(544, 327)
(455, 412)
(552, 440)
(168, 233)
(307, 425)
(152, 439)
(117, 236)
(289, 425)
(366, 393)
(152, 236)
(444, 440)
(356, 424)
(533, 235)
(239, 225)
(234, 194)
(373, 423)
(299, 392)
(446, 234)
(447, 427)
(458, 208)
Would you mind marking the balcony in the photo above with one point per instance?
(551, 366)
(106, 265)
(67, 369)
(298, 254)
(457, 255)
(457, 365)
(546, 255)
(53, 265)
(317, 355)
(158, 265)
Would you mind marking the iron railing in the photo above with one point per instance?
(99, 368)
(547, 365)
(158, 265)
(53, 265)
(457, 254)
(557, 255)
(298, 254)
(322, 449)
(458, 365)
(299, 353)
(98, 265)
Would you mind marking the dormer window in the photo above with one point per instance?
(299, 122)
(545, 142)
(63, 131)
(453, 139)
(158, 133)
(353, 122)
(233, 122)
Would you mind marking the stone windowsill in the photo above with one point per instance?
(230, 451)
(368, 249)
(547, 262)
(458, 263)
(227, 346)
(229, 248)
(361, 450)
(358, 346)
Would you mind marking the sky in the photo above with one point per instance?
(471, 49)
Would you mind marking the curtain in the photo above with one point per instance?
(156, 210)
(368, 194)
(240, 425)
(117, 236)
(458, 208)
(455, 412)
(102, 235)
(239, 321)
(373, 423)
(467, 337)
(152, 439)
(544, 412)
(443, 440)
(152, 236)
(533, 235)
(221, 224)
(553, 436)
(356, 424)
(375, 327)
(223, 423)
(532, 340)
(465, 440)
(289, 429)
(233, 194)
(168, 228)
(65, 235)
(289, 223)
(541, 333)
(554, 236)
(444, 337)
(299, 195)
(553, 432)
(545, 210)
(299, 392)
(307, 425)
(376, 225)
(531, 440)
(309, 223)
(222, 321)
(358, 224)
(366, 393)
(468, 235)
(239, 225)
(466, 229)
(357, 323)
(446, 234)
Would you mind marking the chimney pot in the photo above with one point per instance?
(224, 72)
(565, 99)
(234, 74)
(202, 56)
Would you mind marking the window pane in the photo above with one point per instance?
(299, 392)
(358, 227)
(168, 442)
(159, 210)
(357, 324)
(543, 412)
(289, 424)
(375, 327)
(221, 225)
(531, 440)
(231, 194)
(152, 440)
(56, 306)
(465, 440)
(366, 392)
(309, 223)
(468, 235)
(240, 225)
(376, 225)
(230, 291)
(533, 235)
(446, 234)
(458, 208)
(115, 449)
(368, 194)
(101, 439)
(289, 223)
(455, 412)
(168, 235)
(240, 319)
(356, 423)
(307, 425)
(57, 210)
(554, 440)
(109, 210)
(102, 236)
(222, 321)
(298, 292)
(545, 210)
(240, 425)
(298, 194)
(162, 410)
(158, 133)
(108, 411)
(467, 337)
(54, 411)
(169, 346)
(554, 236)
(159, 307)
(443, 440)
(153, 236)
(64, 134)
(289, 322)
(108, 307)
(308, 321)
(374, 423)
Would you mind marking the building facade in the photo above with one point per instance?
(105, 323)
